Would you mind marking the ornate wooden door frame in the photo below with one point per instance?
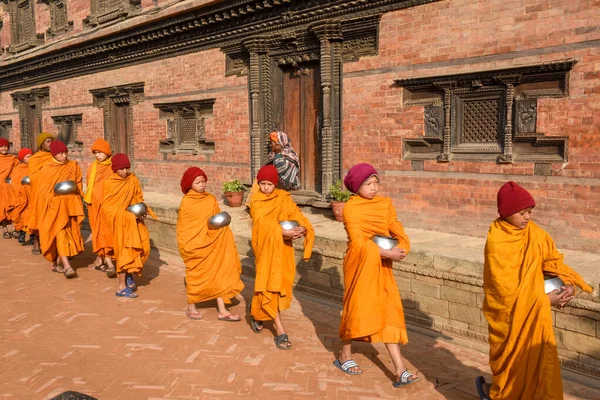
(21, 100)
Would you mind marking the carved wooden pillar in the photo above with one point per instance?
(507, 154)
(22, 101)
(447, 87)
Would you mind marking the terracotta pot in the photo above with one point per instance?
(234, 199)
(338, 210)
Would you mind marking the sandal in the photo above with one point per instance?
(15, 234)
(130, 283)
(345, 367)
(281, 340)
(102, 267)
(126, 292)
(70, 273)
(194, 315)
(404, 379)
(479, 382)
(230, 318)
(57, 268)
(21, 237)
(6, 235)
(111, 272)
(257, 326)
(36, 252)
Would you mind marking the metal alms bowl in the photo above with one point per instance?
(26, 181)
(289, 225)
(65, 187)
(139, 209)
(385, 242)
(551, 283)
(220, 220)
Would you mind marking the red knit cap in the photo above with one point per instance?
(120, 161)
(268, 173)
(4, 142)
(57, 147)
(513, 198)
(23, 152)
(189, 176)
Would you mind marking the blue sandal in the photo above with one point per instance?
(404, 379)
(130, 283)
(126, 293)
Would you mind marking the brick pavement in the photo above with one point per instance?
(58, 334)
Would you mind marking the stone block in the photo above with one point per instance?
(585, 313)
(463, 286)
(576, 324)
(425, 288)
(460, 296)
(459, 324)
(460, 312)
(580, 343)
(318, 278)
(431, 306)
(429, 279)
(480, 299)
(403, 284)
(573, 355)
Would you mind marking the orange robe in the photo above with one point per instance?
(101, 235)
(274, 257)
(372, 309)
(523, 355)
(59, 215)
(7, 198)
(131, 242)
(36, 162)
(20, 213)
(212, 263)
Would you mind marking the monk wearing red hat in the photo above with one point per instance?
(274, 252)
(96, 175)
(8, 163)
(20, 214)
(372, 309)
(212, 262)
(130, 239)
(37, 161)
(518, 253)
(59, 215)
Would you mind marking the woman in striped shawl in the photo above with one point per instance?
(285, 159)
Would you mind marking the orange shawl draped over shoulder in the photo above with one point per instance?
(523, 355)
(131, 242)
(212, 263)
(372, 309)
(7, 195)
(20, 214)
(36, 163)
(101, 235)
(274, 257)
(59, 216)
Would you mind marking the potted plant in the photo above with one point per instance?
(234, 192)
(339, 196)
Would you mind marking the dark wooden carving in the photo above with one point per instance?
(59, 19)
(489, 116)
(117, 103)
(30, 103)
(186, 126)
(110, 10)
(5, 129)
(23, 34)
(68, 125)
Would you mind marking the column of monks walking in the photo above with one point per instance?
(42, 193)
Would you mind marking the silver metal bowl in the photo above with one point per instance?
(289, 225)
(219, 220)
(8, 180)
(385, 242)
(139, 209)
(66, 187)
(26, 181)
(551, 283)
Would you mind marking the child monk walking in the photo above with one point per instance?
(274, 252)
(7, 199)
(131, 242)
(101, 235)
(21, 213)
(372, 309)
(60, 215)
(523, 355)
(37, 161)
(212, 263)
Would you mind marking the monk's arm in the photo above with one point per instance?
(554, 265)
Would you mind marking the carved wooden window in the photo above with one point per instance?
(59, 21)
(68, 126)
(30, 103)
(22, 25)
(110, 10)
(186, 129)
(5, 129)
(486, 116)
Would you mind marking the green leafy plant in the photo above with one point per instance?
(233, 186)
(339, 193)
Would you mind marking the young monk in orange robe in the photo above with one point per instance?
(101, 236)
(7, 199)
(131, 242)
(523, 354)
(20, 214)
(372, 309)
(274, 252)
(37, 161)
(60, 215)
(212, 263)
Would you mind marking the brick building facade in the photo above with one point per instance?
(448, 99)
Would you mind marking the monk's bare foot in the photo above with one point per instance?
(343, 358)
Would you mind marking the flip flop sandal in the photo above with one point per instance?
(58, 269)
(6, 235)
(130, 283)
(280, 340)
(194, 315)
(126, 293)
(229, 318)
(257, 326)
(102, 267)
(36, 252)
(15, 234)
(479, 382)
(345, 367)
(404, 379)
(70, 273)
(111, 273)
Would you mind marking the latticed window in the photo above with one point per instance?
(67, 130)
(22, 26)
(108, 10)
(59, 21)
(5, 128)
